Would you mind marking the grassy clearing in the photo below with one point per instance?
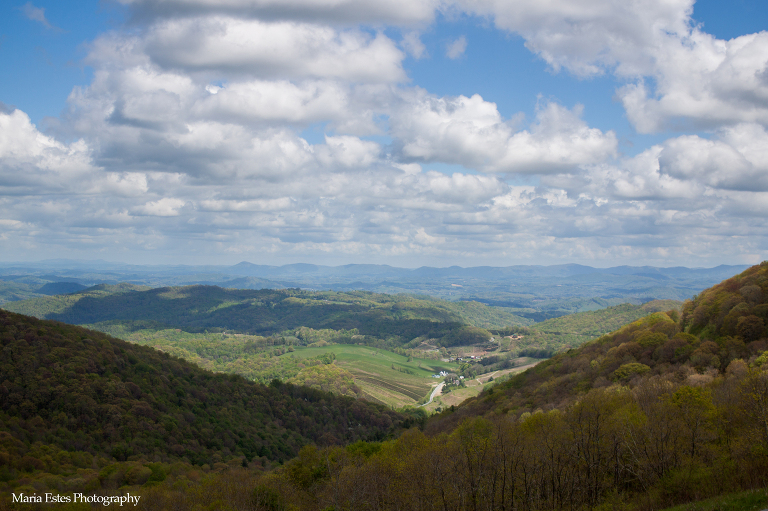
(373, 371)
(752, 500)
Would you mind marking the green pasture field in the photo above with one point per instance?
(373, 373)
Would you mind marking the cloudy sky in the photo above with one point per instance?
(406, 132)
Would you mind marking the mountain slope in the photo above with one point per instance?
(723, 323)
(734, 308)
(80, 390)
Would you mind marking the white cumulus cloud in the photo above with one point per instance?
(471, 132)
(702, 82)
(279, 49)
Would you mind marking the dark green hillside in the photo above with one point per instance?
(45, 307)
(61, 288)
(77, 390)
(397, 319)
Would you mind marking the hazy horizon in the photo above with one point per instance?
(61, 263)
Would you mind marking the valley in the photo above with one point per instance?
(391, 346)
(312, 400)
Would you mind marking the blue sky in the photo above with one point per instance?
(417, 132)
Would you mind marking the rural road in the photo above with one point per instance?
(434, 393)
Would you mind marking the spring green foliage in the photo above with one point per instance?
(735, 308)
(751, 500)
(612, 449)
(626, 371)
(557, 334)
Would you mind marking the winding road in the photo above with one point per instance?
(434, 393)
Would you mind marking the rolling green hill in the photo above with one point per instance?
(12, 291)
(263, 359)
(383, 376)
(396, 319)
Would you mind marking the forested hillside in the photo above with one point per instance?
(70, 392)
(395, 319)
(699, 342)
(195, 323)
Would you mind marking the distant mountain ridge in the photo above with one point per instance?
(569, 270)
(538, 292)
